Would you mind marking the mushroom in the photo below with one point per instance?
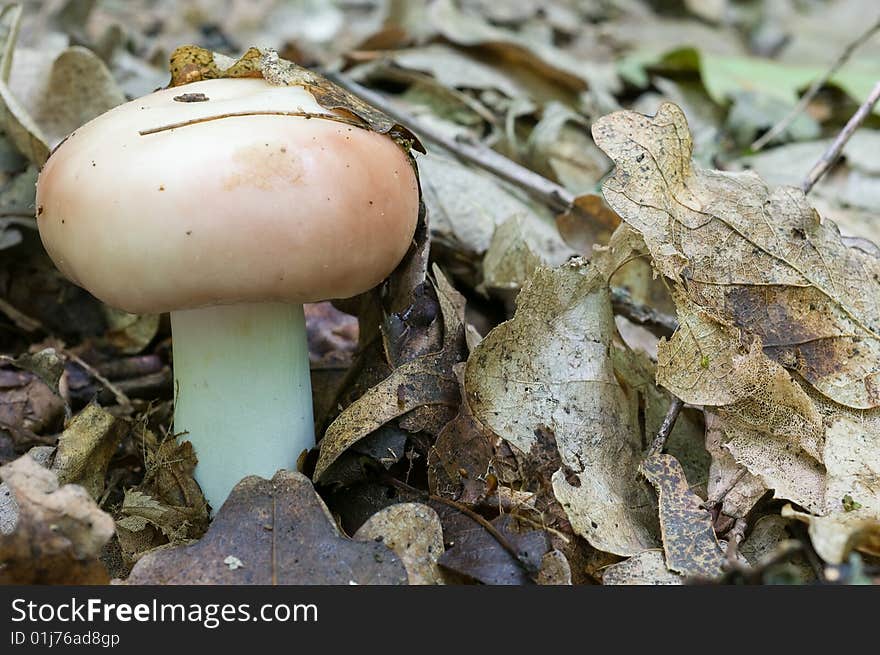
(230, 203)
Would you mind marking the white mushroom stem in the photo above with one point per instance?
(243, 394)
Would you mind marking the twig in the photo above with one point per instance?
(21, 319)
(660, 324)
(833, 153)
(503, 541)
(666, 427)
(805, 100)
(238, 114)
(118, 394)
(556, 197)
(735, 537)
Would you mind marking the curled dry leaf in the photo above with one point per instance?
(28, 410)
(413, 531)
(421, 382)
(168, 506)
(282, 533)
(688, 536)
(549, 368)
(85, 448)
(834, 536)
(59, 534)
(555, 569)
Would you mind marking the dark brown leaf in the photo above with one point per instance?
(688, 537)
(282, 533)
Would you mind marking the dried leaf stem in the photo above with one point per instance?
(833, 153)
(817, 84)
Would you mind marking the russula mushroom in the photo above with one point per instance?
(230, 203)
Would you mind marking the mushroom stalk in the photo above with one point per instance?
(243, 394)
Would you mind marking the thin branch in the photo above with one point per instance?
(805, 100)
(118, 394)
(556, 197)
(660, 324)
(666, 427)
(833, 153)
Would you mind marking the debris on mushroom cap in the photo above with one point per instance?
(160, 205)
(192, 64)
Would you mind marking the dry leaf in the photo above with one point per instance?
(168, 506)
(85, 448)
(424, 381)
(755, 259)
(413, 531)
(688, 536)
(59, 534)
(834, 536)
(473, 552)
(549, 368)
(645, 568)
(283, 533)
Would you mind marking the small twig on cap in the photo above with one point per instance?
(833, 153)
(805, 100)
(237, 114)
(666, 427)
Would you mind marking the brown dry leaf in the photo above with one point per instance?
(730, 483)
(689, 540)
(28, 410)
(549, 369)
(834, 536)
(473, 552)
(168, 506)
(461, 457)
(512, 256)
(129, 333)
(422, 382)
(85, 448)
(59, 534)
(756, 260)
(645, 568)
(555, 569)
(467, 205)
(413, 531)
(282, 533)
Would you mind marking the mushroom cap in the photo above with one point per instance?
(254, 208)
